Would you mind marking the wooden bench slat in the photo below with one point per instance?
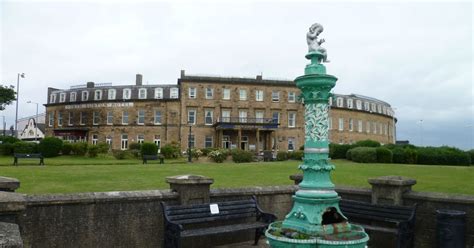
(373, 213)
(216, 218)
(206, 209)
(175, 207)
(204, 216)
(222, 229)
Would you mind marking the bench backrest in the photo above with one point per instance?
(150, 156)
(201, 213)
(377, 212)
(28, 155)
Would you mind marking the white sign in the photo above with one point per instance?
(214, 208)
(100, 105)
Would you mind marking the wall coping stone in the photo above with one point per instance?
(9, 184)
(12, 202)
(189, 179)
(10, 235)
(392, 180)
(440, 197)
(257, 190)
(97, 197)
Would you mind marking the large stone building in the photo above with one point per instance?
(247, 113)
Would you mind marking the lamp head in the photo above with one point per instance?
(22, 75)
(28, 102)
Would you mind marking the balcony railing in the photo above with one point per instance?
(232, 122)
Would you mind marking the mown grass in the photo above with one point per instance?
(78, 174)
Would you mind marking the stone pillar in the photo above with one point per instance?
(192, 189)
(257, 134)
(9, 184)
(239, 138)
(390, 189)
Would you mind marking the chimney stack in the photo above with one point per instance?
(90, 84)
(139, 80)
(259, 77)
(183, 73)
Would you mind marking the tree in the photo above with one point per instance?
(7, 96)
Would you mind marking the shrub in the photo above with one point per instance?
(398, 155)
(471, 154)
(66, 149)
(149, 149)
(196, 153)
(93, 150)
(442, 156)
(135, 146)
(79, 148)
(367, 143)
(337, 151)
(8, 139)
(384, 155)
(119, 154)
(6, 148)
(364, 154)
(206, 151)
(25, 147)
(50, 146)
(296, 155)
(411, 155)
(241, 156)
(171, 150)
(349, 154)
(218, 156)
(103, 148)
(282, 156)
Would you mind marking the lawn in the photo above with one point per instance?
(76, 174)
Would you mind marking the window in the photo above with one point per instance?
(62, 97)
(359, 126)
(275, 96)
(374, 125)
(351, 125)
(95, 137)
(51, 119)
(108, 140)
(350, 103)
(259, 116)
(192, 93)
(208, 141)
(60, 119)
(226, 94)
(110, 118)
(291, 119)
(125, 118)
(366, 106)
(276, 117)
(95, 118)
(72, 96)
(243, 116)
(359, 104)
(85, 95)
(243, 94)
(291, 97)
(330, 100)
(329, 123)
(126, 94)
(141, 117)
(158, 93)
(385, 129)
(191, 140)
(71, 118)
(52, 98)
(339, 102)
(98, 95)
(380, 128)
(111, 94)
(372, 107)
(140, 138)
(82, 118)
(124, 142)
(225, 115)
(259, 95)
(367, 127)
(384, 110)
(157, 119)
(142, 93)
(209, 93)
(192, 116)
(341, 124)
(291, 143)
(379, 108)
(208, 116)
(174, 93)
(157, 141)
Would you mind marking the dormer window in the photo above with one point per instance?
(158, 93)
(62, 97)
(72, 96)
(366, 106)
(127, 93)
(98, 95)
(111, 94)
(340, 102)
(85, 95)
(350, 103)
(142, 93)
(52, 98)
(174, 93)
(359, 104)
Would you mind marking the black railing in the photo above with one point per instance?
(243, 120)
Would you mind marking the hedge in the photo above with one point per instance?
(338, 151)
(79, 148)
(367, 143)
(282, 156)
(149, 149)
(25, 147)
(92, 151)
(443, 156)
(384, 155)
(6, 149)
(50, 146)
(296, 155)
(364, 154)
(66, 149)
(171, 150)
(471, 154)
(241, 156)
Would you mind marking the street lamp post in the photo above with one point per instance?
(4, 125)
(36, 120)
(17, 98)
(421, 132)
(189, 144)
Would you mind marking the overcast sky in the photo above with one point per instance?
(418, 57)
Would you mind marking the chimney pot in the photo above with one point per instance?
(90, 84)
(139, 80)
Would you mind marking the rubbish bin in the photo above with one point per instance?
(450, 228)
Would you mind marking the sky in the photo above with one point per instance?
(417, 56)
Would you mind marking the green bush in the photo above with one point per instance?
(6, 149)
(79, 148)
(282, 156)
(149, 149)
(218, 156)
(171, 150)
(206, 151)
(241, 156)
(8, 139)
(120, 154)
(92, 151)
(135, 146)
(471, 154)
(66, 149)
(103, 148)
(349, 154)
(399, 156)
(296, 155)
(25, 147)
(442, 156)
(338, 151)
(50, 146)
(364, 154)
(411, 155)
(196, 153)
(384, 155)
(367, 143)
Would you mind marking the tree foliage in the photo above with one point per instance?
(7, 96)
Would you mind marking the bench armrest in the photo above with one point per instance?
(264, 216)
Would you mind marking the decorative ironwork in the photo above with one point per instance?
(316, 119)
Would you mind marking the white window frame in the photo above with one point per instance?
(108, 140)
(275, 96)
(374, 125)
(126, 94)
(209, 93)
(360, 128)
(206, 112)
(278, 117)
(95, 118)
(52, 98)
(158, 93)
(373, 107)
(51, 119)
(174, 93)
(141, 115)
(291, 119)
(62, 97)
(225, 94)
(157, 141)
(191, 116)
(339, 102)
(157, 117)
(242, 94)
(291, 141)
(359, 104)
(125, 117)
(111, 94)
(124, 141)
(206, 141)
(140, 138)
(243, 116)
(192, 93)
(225, 115)
(366, 106)
(110, 117)
(97, 95)
(367, 127)
(142, 93)
(95, 138)
(84, 95)
(330, 123)
(350, 103)
(259, 116)
(60, 119)
(259, 95)
(72, 96)
(70, 120)
(291, 96)
(351, 125)
(82, 118)
(341, 124)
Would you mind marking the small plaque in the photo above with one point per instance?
(214, 208)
